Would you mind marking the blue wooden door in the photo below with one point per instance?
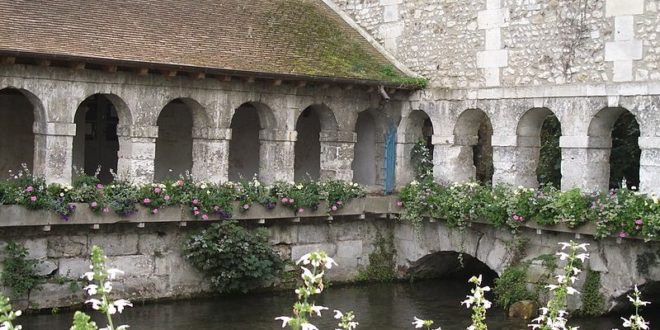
(390, 158)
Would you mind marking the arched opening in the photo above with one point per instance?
(474, 132)
(174, 142)
(307, 151)
(419, 131)
(364, 164)
(538, 133)
(244, 146)
(450, 264)
(96, 144)
(16, 135)
(618, 128)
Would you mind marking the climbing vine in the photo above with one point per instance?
(381, 260)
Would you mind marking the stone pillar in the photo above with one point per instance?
(649, 165)
(337, 151)
(276, 155)
(453, 159)
(53, 151)
(585, 162)
(210, 153)
(515, 159)
(137, 150)
(404, 169)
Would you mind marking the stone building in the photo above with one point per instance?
(295, 89)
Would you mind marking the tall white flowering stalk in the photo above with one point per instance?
(553, 316)
(7, 316)
(345, 320)
(636, 322)
(99, 291)
(419, 323)
(313, 267)
(479, 304)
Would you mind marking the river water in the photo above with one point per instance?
(377, 307)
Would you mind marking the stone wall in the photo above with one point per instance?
(482, 43)
(151, 256)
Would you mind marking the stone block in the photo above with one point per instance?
(46, 267)
(313, 233)
(623, 7)
(624, 28)
(391, 13)
(73, 268)
(56, 295)
(157, 243)
(133, 266)
(177, 269)
(67, 246)
(493, 39)
(623, 50)
(115, 244)
(37, 247)
(622, 71)
(492, 18)
(492, 58)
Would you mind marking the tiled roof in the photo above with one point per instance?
(281, 37)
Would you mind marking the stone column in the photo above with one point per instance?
(137, 150)
(649, 164)
(53, 151)
(404, 169)
(276, 155)
(210, 153)
(337, 151)
(453, 159)
(585, 162)
(515, 159)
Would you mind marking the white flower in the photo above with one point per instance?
(562, 255)
(338, 314)
(582, 256)
(96, 304)
(91, 289)
(551, 287)
(121, 303)
(285, 320)
(318, 309)
(418, 323)
(329, 262)
(113, 272)
(571, 290)
(308, 326)
(564, 245)
(88, 275)
(107, 286)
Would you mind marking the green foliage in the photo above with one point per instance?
(337, 192)
(234, 258)
(422, 161)
(645, 260)
(19, 272)
(82, 321)
(593, 302)
(620, 212)
(7, 315)
(382, 262)
(624, 158)
(511, 286)
(549, 167)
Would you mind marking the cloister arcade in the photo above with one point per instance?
(229, 134)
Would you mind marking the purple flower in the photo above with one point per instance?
(33, 199)
(623, 234)
(29, 189)
(639, 222)
(167, 198)
(154, 211)
(301, 210)
(334, 208)
(291, 201)
(205, 217)
(246, 206)
(99, 186)
(157, 190)
(339, 202)
(195, 212)
(285, 200)
(94, 205)
(195, 201)
(146, 201)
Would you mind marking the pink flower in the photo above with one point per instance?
(246, 206)
(195, 201)
(33, 198)
(29, 189)
(291, 201)
(399, 203)
(301, 210)
(340, 202)
(106, 210)
(639, 222)
(94, 205)
(154, 211)
(285, 200)
(146, 201)
(166, 198)
(205, 217)
(195, 212)
(99, 186)
(334, 208)
(179, 183)
(157, 190)
(623, 234)
(216, 208)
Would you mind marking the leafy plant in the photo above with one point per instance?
(234, 258)
(381, 261)
(511, 286)
(422, 161)
(593, 302)
(19, 272)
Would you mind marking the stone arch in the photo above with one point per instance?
(245, 148)
(416, 126)
(201, 119)
(617, 155)
(315, 124)
(96, 143)
(174, 144)
(451, 264)
(21, 114)
(536, 140)
(472, 133)
(364, 163)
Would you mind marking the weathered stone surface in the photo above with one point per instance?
(73, 268)
(133, 266)
(67, 246)
(115, 244)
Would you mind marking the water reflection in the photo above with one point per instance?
(377, 306)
